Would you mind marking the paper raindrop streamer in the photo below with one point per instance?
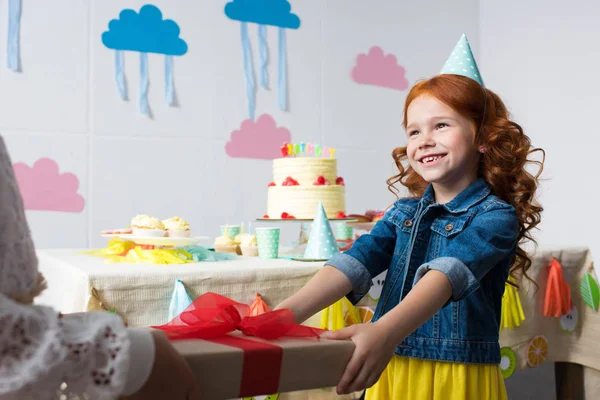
(282, 81)
(557, 301)
(266, 12)
(264, 56)
(590, 291)
(120, 74)
(12, 46)
(180, 300)
(248, 70)
(512, 311)
(144, 108)
(144, 32)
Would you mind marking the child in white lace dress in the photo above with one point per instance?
(87, 355)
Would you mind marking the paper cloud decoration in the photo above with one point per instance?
(276, 13)
(44, 188)
(378, 69)
(263, 12)
(258, 139)
(144, 32)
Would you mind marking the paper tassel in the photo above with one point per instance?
(557, 301)
(115, 247)
(264, 56)
(12, 47)
(334, 317)
(590, 291)
(258, 306)
(120, 74)
(180, 300)
(512, 312)
(200, 253)
(282, 78)
(144, 108)
(94, 302)
(248, 70)
(169, 88)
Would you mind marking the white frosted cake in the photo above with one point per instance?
(300, 183)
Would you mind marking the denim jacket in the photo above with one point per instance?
(471, 239)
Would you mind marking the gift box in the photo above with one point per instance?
(232, 369)
(233, 354)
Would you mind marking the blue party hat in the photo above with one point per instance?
(321, 242)
(462, 62)
(180, 300)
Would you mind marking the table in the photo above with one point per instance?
(141, 293)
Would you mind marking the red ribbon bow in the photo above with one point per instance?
(212, 315)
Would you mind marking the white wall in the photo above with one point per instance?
(542, 58)
(64, 105)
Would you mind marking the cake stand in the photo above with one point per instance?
(158, 241)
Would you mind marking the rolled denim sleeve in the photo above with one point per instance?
(369, 256)
(489, 239)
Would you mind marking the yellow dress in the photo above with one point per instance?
(413, 379)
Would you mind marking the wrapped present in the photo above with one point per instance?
(233, 354)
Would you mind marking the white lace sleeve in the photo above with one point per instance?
(44, 356)
(40, 352)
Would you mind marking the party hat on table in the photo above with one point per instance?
(180, 300)
(462, 62)
(321, 242)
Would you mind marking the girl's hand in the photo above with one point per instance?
(374, 350)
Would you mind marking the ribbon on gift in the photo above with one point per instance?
(211, 317)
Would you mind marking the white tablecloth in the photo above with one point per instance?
(142, 292)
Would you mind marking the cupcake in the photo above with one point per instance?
(248, 244)
(147, 225)
(177, 227)
(225, 244)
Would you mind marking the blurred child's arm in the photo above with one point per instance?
(325, 288)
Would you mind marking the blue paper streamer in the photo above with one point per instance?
(169, 90)
(144, 108)
(282, 79)
(264, 56)
(12, 46)
(248, 70)
(120, 73)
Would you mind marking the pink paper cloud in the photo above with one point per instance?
(44, 188)
(378, 69)
(261, 139)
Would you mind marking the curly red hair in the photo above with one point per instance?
(503, 165)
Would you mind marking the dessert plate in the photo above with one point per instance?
(159, 241)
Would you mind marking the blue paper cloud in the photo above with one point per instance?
(263, 12)
(145, 32)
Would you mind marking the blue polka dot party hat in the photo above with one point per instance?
(462, 62)
(321, 242)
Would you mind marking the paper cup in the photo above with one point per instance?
(232, 230)
(268, 243)
(343, 232)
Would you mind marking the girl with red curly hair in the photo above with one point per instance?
(448, 248)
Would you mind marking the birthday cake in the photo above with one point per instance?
(305, 176)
